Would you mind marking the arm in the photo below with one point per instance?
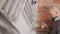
(54, 29)
(58, 27)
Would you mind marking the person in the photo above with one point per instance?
(55, 12)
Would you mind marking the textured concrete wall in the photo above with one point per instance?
(2, 2)
(6, 27)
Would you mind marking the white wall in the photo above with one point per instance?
(23, 23)
(22, 14)
(2, 2)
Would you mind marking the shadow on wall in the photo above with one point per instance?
(6, 27)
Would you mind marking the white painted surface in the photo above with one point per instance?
(25, 27)
(2, 2)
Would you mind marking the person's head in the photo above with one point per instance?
(55, 12)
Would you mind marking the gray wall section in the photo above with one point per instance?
(2, 2)
(6, 27)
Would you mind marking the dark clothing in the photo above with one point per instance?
(56, 27)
